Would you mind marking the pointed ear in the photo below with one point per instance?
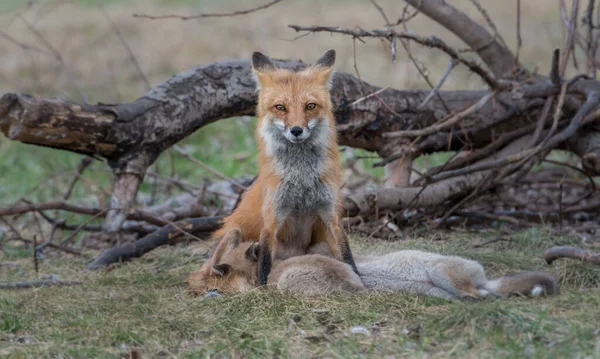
(230, 240)
(261, 63)
(233, 237)
(261, 66)
(327, 60)
(252, 253)
(323, 68)
(221, 269)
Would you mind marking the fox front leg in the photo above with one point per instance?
(264, 256)
(338, 242)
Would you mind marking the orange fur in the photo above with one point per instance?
(256, 215)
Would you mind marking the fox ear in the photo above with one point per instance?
(327, 60)
(233, 237)
(323, 68)
(221, 269)
(261, 66)
(252, 253)
(261, 62)
(230, 240)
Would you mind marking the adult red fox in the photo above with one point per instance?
(410, 271)
(295, 202)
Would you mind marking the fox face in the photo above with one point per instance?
(232, 268)
(293, 106)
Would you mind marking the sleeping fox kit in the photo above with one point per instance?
(295, 202)
(409, 271)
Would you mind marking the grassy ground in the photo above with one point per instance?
(144, 305)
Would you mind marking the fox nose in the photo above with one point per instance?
(296, 131)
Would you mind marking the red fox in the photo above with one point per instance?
(295, 202)
(410, 271)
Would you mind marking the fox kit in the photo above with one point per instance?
(410, 271)
(450, 277)
(295, 202)
(230, 268)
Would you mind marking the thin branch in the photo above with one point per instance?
(435, 91)
(431, 41)
(85, 162)
(200, 16)
(208, 168)
(132, 57)
(20, 209)
(444, 124)
(489, 21)
(519, 39)
(57, 55)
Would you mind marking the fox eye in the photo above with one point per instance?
(280, 108)
(311, 106)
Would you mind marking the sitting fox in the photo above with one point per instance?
(410, 271)
(295, 202)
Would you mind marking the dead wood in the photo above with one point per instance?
(554, 253)
(397, 125)
(166, 235)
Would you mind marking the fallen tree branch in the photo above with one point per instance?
(554, 253)
(163, 236)
(37, 283)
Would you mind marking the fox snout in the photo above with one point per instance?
(296, 133)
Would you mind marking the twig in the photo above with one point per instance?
(57, 55)
(554, 253)
(133, 215)
(368, 96)
(519, 40)
(431, 41)
(444, 124)
(489, 21)
(588, 20)
(208, 168)
(37, 283)
(76, 231)
(385, 18)
(451, 65)
(85, 162)
(132, 57)
(199, 16)
(35, 254)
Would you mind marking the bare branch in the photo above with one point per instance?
(498, 58)
(443, 124)
(431, 41)
(164, 236)
(200, 16)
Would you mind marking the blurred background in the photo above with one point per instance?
(97, 51)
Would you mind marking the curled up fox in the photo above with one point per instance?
(295, 203)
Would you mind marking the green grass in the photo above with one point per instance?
(144, 305)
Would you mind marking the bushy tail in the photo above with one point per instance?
(530, 283)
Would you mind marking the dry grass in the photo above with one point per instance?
(143, 305)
